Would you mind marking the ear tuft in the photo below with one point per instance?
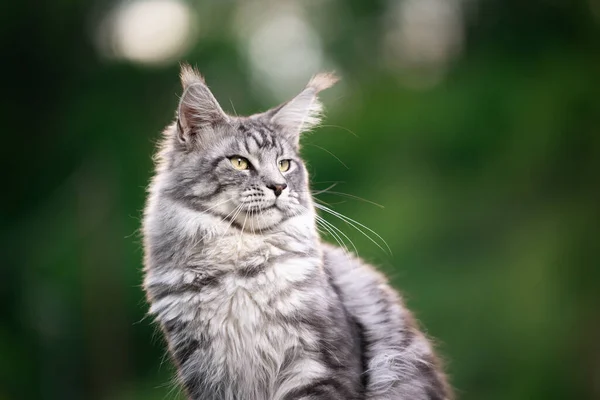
(198, 108)
(303, 112)
(189, 76)
(322, 81)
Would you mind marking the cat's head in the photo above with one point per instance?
(243, 169)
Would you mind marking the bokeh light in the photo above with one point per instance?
(423, 37)
(147, 31)
(283, 49)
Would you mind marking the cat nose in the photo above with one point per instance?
(277, 188)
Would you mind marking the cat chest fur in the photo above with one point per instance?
(250, 316)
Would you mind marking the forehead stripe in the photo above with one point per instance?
(259, 139)
(262, 135)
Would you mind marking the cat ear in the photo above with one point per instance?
(198, 108)
(303, 112)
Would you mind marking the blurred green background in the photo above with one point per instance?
(475, 123)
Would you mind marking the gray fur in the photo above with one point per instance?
(252, 303)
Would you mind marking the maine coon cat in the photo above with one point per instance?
(253, 305)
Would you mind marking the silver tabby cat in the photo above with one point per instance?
(254, 306)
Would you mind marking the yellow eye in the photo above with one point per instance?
(284, 165)
(239, 163)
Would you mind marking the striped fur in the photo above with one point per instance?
(252, 303)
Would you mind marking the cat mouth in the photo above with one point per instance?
(259, 208)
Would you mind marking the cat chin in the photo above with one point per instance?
(265, 219)
(271, 218)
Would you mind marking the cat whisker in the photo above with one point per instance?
(222, 220)
(339, 232)
(340, 127)
(216, 205)
(329, 152)
(233, 107)
(320, 230)
(318, 192)
(260, 216)
(327, 231)
(319, 182)
(235, 213)
(206, 212)
(242, 231)
(337, 239)
(327, 203)
(252, 221)
(355, 198)
(334, 231)
(241, 235)
(355, 224)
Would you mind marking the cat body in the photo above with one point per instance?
(249, 328)
(253, 305)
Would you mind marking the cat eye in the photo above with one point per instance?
(239, 163)
(284, 165)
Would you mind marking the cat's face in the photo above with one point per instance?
(245, 170)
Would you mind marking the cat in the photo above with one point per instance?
(253, 305)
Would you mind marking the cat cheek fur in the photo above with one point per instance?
(254, 305)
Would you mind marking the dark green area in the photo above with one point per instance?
(490, 182)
